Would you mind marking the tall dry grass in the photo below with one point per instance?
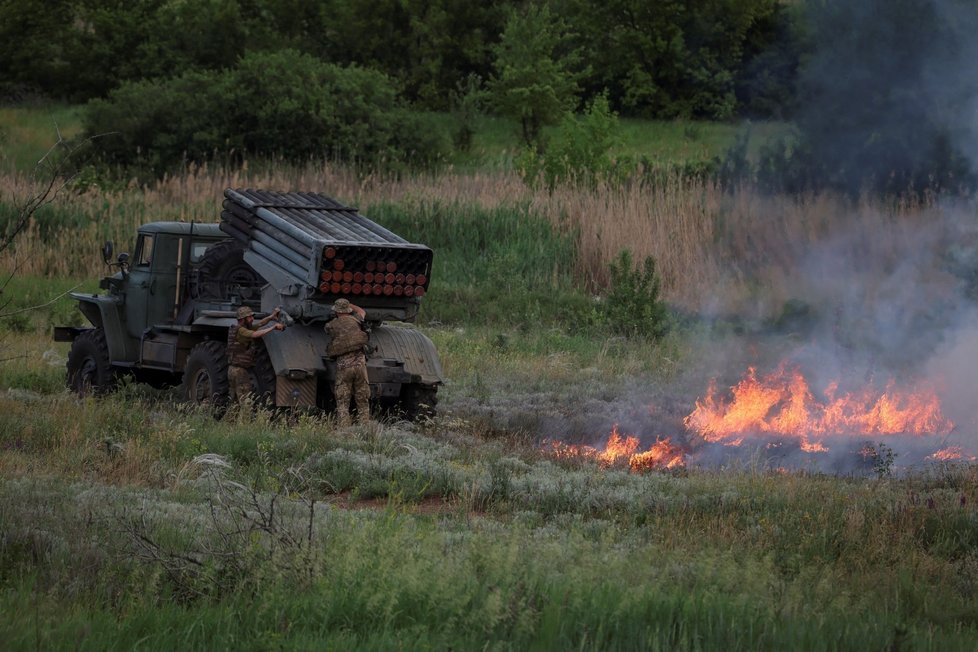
(714, 249)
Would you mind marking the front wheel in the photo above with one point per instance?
(205, 377)
(89, 369)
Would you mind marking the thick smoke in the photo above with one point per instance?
(890, 104)
(888, 97)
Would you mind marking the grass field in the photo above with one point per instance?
(134, 521)
(131, 522)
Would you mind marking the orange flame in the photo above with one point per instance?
(950, 454)
(662, 454)
(782, 403)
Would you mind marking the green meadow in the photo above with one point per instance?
(133, 521)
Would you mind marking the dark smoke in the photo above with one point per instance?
(887, 98)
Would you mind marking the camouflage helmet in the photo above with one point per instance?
(342, 307)
(245, 311)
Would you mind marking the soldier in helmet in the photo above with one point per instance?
(347, 340)
(241, 350)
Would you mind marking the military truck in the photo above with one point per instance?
(164, 316)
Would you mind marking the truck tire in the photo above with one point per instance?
(89, 368)
(223, 272)
(418, 401)
(205, 377)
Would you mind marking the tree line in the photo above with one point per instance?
(880, 93)
(711, 59)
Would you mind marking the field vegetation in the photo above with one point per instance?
(132, 521)
(602, 252)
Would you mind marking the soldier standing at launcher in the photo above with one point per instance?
(347, 340)
(241, 350)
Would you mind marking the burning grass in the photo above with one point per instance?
(778, 421)
(622, 451)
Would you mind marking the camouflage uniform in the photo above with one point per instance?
(351, 378)
(347, 340)
(241, 359)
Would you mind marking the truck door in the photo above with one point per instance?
(152, 282)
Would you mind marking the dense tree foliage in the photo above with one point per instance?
(672, 57)
(668, 58)
(881, 91)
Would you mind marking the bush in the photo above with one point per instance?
(580, 152)
(634, 306)
(153, 126)
(281, 104)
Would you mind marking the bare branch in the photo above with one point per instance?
(51, 174)
(37, 307)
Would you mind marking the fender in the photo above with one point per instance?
(105, 312)
(410, 346)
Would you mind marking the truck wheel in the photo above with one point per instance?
(418, 402)
(223, 272)
(89, 368)
(205, 378)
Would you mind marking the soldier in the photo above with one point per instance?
(347, 340)
(241, 350)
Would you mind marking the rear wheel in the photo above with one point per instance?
(89, 369)
(205, 377)
(418, 401)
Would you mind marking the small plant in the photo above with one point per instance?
(633, 305)
(881, 457)
(580, 154)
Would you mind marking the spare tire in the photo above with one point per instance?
(223, 273)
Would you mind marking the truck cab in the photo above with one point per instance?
(149, 294)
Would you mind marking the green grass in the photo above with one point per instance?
(561, 558)
(461, 532)
(27, 133)
(506, 266)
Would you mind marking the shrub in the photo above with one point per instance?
(634, 306)
(579, 153)
(128, 126)
(282, 104)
